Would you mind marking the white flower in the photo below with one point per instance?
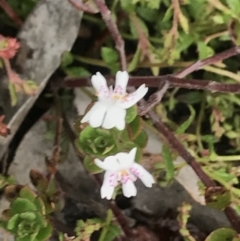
(110, 109)
(123, 168)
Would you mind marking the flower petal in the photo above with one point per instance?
(110, 163)
(100, 85)
(142, 174)
(134, 97)
(121, 82)
(95, 115)
(126, 160)
(109, 183)
(129, 189)
(115, 117)
(120, 119)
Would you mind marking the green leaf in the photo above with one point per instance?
(131, 114)
(91, 166)
(183, 22)
(96, 141)
(109, 55)
(167, 16)
(204, 51)
(222, 234)
(38, 180)
(135, 127)
(127, 5)
(1, 64)
(29, 216)
(141, 139)
(147, 14)
(52, 187)
(217, 197)
(26, 238)
(112, 233)
(13, 221)
(133, 65)
(77, 72)
(38, 202)
(13, 93)
(21, 205)
(234, 5)
(154, 4)
(66, 59)
(190, 98)
(44, 233)
(27, 193)
(168, 162)
(181, 129)
(6, 180)
(236, 30)
(141, 25)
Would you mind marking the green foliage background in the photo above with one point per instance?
(164, 37)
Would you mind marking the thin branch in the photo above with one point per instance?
(233, 218)
(177, 145)
(153, 81)
(10, 12)
(113, 29)
(155, 98)
(51, 164)
(211, 60)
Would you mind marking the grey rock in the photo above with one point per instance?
(49, 30)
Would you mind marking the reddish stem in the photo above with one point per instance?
(10, 12)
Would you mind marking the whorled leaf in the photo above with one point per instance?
(97, 142)
(20, 205)
(27, 193)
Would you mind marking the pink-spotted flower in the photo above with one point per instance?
(110, 109)
(123, 169)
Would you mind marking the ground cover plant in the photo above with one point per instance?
(168, 66)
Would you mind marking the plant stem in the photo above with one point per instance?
(106, 226)
(152, 81)
(199, 123)
(177, 145)
(222, 72)
(208, 61)
(113, 29)
(10, 12)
